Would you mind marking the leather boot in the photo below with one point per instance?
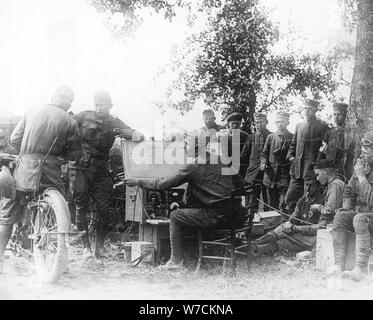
(340, 243)
(100, 251)
(259, 250)
(268, 237)
(362, 257)
(5, 233)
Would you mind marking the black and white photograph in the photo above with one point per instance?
(186, 154)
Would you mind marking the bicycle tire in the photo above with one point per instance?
(51, 259)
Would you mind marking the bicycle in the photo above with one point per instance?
(42, 235)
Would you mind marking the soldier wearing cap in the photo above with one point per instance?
(43, 130)
(314, 210)
(274, 163)
(339, 147)
(356, 215)
(303, 151)
(236, 137)
(89, 177)
(250, 161)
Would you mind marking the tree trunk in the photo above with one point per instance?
(360, 116)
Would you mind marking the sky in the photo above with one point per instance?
(47, 43)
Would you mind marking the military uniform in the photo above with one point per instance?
(208, 203)
(303, 235)
(33, 137)
(90, 178)
(304, 148)
(343, 149)
(356, 217)
(250, 158)
(276, 175)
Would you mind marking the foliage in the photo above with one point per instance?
(130, 12)
(233, 66)
(349, 13)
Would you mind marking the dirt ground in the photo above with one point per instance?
(278, 277)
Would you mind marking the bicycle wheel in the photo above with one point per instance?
(49, 247)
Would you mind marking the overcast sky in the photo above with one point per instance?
(46, 43)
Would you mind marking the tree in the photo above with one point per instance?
(360, 116)
(232, 66)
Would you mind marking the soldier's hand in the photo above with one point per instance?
(291, 159)
(262, 167)
(117, 131)
(131, 182)
(288, 227)
(315, 207)
(361, 169)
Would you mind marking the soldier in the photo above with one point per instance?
(356, 215)
(274, 163)
(210, 203)
(234, 123)
(314, 210)
(303, 151)
(340, 148)
(251, 155)
(209, 120)
(90, 177)
(33, 137)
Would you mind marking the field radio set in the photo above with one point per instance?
(139, 160)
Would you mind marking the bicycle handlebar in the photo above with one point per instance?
(8, 156)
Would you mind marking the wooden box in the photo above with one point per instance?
(325, 250)
(134, 250)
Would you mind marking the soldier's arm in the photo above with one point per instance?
(266, 150)
(245, 156)
(166, 183)
(126, 131)
(333, 201)
(293, 144)
(16, 137)
(350, 193)
(73, 147)
(297, 212)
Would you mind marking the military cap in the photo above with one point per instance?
(312, 103)
(235, 117)
(260, 116)
(323, 164)
(63, 95)
(367, 140)
(282, 115)
(340, 106)
(102, 97)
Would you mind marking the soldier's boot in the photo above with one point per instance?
(261, 249)
(268, 237)
(362, 256)
(340, 244)
(5, 233)
(100, 251)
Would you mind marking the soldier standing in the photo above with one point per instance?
(343, 150)
(90, 178)
(274, 163)
(303, 151)
(251, 155)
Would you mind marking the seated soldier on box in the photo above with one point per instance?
(313, 211)
(356, 216)
(209, 187)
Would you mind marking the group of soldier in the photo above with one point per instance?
(316, 177)
(49, 135)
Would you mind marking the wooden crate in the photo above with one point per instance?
(325, 250)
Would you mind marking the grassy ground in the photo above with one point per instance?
(279, 277)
